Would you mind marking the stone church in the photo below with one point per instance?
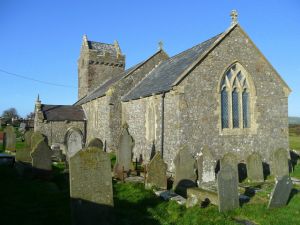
(222, 95)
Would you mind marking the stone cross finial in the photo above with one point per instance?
(160, 45)
(234, 17)
(84, 38)
(117, 47)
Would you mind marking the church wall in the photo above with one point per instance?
(201, 119)
(108, 109)
(55, 131)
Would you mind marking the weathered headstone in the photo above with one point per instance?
(57, 154)
(280, 164)
(36, 138)
(41, 156)
(255, 168)
(23, 155)
(281, 192)
(230, 159)
(206, 166)
(228, 196)
(124, 153)
(9, 138)
(156, 173)
(185, 176)
(74, 142)
(91, 187)
(95, 142)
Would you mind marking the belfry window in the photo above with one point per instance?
(235, 98)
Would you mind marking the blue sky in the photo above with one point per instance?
(41, 39)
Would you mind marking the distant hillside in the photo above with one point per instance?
(294, 120)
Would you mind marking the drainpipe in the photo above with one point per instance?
(162, 123)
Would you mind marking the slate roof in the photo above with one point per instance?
(162, 77)
(101, 90)
(102, 47)
(63, 112)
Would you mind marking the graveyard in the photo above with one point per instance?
(30, 200)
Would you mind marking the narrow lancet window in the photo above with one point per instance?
(246, 118)
(224, 106)
(235, 109)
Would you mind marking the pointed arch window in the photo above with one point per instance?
(235, 98)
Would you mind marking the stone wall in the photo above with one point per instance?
(192, 109)
(107, 109)
(55, 131)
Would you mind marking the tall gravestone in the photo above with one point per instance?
(124, 153)
(91, 187)
(206, 166)
(229, 159)
(228, 196)
(156, 173)
(255, 168)
(41, 156)
(23, 155)
(280, 164)
(9, 138)
(36, 137)
(281, 192)
(184, 169)
(95, 142)
(74, 142)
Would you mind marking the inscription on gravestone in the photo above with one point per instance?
(230, 159)
(206, 166)
(280, 163)
(91, 187)
(228, 196)
(156, 173)
(9, 139)
(255, 168)
(74, 142)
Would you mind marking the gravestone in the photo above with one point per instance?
(23, 155)
(41, 156)
(57, 154)
(9, 139)
(27, 138)
(22, 127)
(124, 153)
(255, 168)
(74, 142)
(36, 138)
(91, 187)
(280, 163)
(96, 142)
(228, 196)
(206, 166)
(281, 192)
(230, 159)
(185, 176)
(156, 173)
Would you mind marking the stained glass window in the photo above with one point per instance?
(224, 108)
(246, 119)
(235, 108)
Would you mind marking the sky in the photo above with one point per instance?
(41, 40)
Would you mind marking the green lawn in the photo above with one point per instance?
(295, 142)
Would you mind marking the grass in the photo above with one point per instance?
(294, 137)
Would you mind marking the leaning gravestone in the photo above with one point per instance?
(124, 153)
(228, 196)
(95, 142)
(230, 159)
(280, 163)
(9, 139)
(23, 155)
(206, 166)
(281, 192)
(91, 187)
(185, 176)
(156, 173)
(74, 143)
(255, 168)
(41, 156)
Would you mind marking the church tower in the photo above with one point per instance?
(98, 62)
